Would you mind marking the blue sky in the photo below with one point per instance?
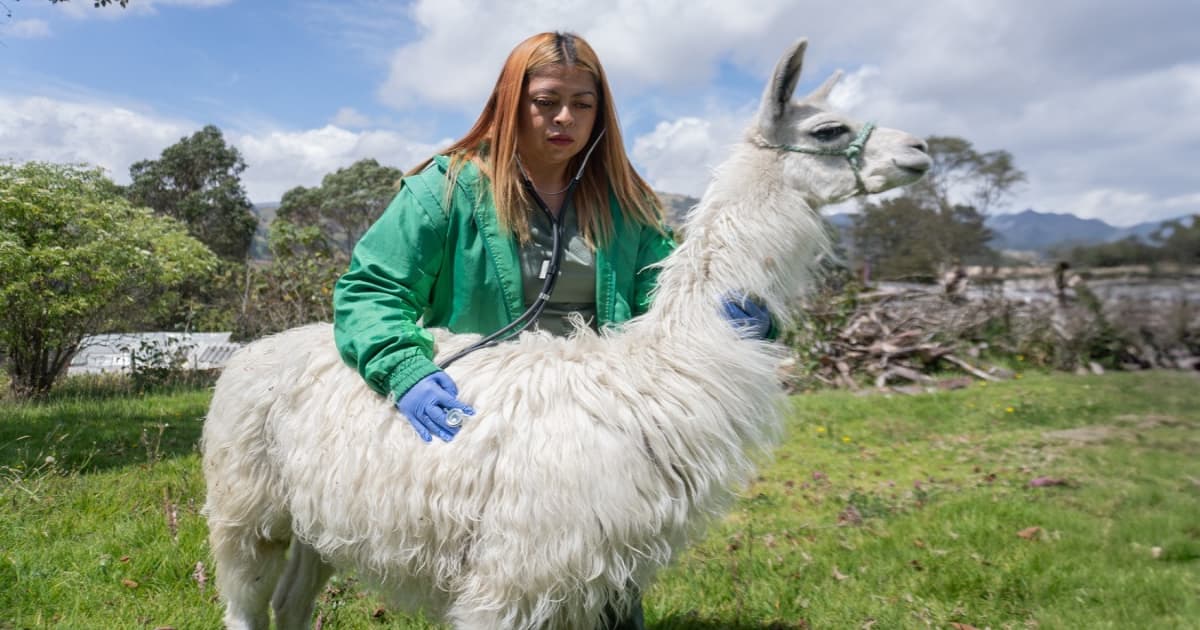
(1096, 100)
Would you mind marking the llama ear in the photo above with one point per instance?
(782, 85)
(822, 93)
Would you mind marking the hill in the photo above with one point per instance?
(1031, 230)
(1039, 232)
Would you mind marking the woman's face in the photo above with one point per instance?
(559, 111)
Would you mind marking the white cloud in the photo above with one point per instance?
(1100, 116)
(644, 44)
(351, 118)
(106, 135)
(114, 137)
(280, 160)
(679, 156)
(850, 91)
(1122, 207)
(25, 29)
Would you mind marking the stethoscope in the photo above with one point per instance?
(550, 278)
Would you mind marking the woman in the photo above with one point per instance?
(466, 243)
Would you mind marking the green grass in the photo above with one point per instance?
(882, 511)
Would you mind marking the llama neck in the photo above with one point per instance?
(751, 234)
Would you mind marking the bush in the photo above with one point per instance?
(78, 259)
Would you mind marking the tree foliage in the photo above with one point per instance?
(1176, 241)
(940, 220)
(1180, 242)
(328, 220)
(311, 239)
(901, 239)
(1127, 251)
(78, 259)
(960, 175)
(285, 294)
(197, 181)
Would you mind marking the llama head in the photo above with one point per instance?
(823, 152)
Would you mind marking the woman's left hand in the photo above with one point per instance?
(749, 318)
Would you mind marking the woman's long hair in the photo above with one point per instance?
(492, 144)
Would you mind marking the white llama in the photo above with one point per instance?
(592, 460)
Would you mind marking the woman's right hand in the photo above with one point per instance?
(427, 403)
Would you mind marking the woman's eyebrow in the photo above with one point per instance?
(555, 92)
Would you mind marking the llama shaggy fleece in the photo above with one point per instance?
(592, 459)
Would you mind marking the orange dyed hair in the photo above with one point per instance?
(492, 145)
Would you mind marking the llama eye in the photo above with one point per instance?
(830, 132)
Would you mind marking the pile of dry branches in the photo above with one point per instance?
(892, 338)
(901, 339)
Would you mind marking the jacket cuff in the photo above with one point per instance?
(408, 374)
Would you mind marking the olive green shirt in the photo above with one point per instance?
(575, 290)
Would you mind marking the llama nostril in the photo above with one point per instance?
(919, 145)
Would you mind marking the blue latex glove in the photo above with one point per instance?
(749, 318)
(426, 403)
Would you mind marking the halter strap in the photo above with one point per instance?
(853, 152)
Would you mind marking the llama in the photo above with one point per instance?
(592, 460)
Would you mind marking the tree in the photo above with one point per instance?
(1180, 243)
(77, 258)
(311, 239)
(940, 220)
(962, 175)
(1176, 241)
(899, 238)
(330, 218)
(197, 181)
(1127, 251)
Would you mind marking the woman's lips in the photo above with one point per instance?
(561, 140)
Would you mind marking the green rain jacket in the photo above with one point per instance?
(425, 265)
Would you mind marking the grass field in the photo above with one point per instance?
(1050, 501)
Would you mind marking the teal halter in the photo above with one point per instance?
(852, 153)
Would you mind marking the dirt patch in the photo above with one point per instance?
(1083, 435)
(1127, 428)
(1151, 421)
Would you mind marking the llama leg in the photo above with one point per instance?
(246, 575)
(296, 592)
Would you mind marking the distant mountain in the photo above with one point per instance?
(676, 206)
(1039, 231)
(1145, 230)
(1035, 231)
